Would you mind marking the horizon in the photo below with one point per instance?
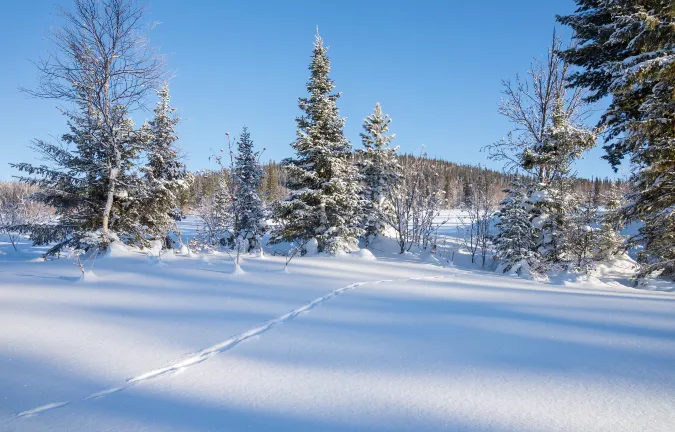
(450, 111)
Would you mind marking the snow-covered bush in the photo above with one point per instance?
(414, 201)
(476, 224)
(18, 210)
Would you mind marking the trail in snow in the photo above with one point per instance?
(213, 350)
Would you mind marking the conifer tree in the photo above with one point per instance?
(247, 176)
(611, 242)
(583, 234)
(626, 50)
(75, 178)
(551, 217)
(379, 167)
(516, 239)
(323, 200)
(167, 178)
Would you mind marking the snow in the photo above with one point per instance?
(396, 343)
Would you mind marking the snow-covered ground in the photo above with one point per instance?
(400, 343)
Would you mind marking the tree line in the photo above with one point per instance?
(110, 180)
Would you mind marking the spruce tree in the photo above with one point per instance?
(626, 50)
(323, 201)
(516, 239)
(551, 214)
(583, 235)
(562, 143)
(167, 179)
(611, 243)
(247, 176)
(76, 178)
(379, 169)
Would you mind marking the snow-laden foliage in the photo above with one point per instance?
(561, 144)
(553, 208)
(324, 192)
(547, 116)
(516, 238)
(247, 178)
(76, 180)
(167, 179)
(610, 241)
(583, 235)
(379, 167)
(101, 68)
(627, 50)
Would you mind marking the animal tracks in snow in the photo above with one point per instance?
(207, 353)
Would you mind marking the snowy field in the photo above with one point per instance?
(396, 343)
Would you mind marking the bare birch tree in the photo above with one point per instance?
(532, 103)
(416, 200)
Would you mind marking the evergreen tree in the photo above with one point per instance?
(583, 235)
(323, 183)
(167, 179)
(247, 176)
(551, 217)
(611, 242)
(76, 179)
(516, 239)
(379, 168)
(626, 50)
(562, 143)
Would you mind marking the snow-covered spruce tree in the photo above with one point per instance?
(610, 242)
(75, 180)
(548, 137)
(167, 179)
(583, 234)
(247, 177)
(379, 167)
(562, 143)
(626, 49)
(553, 206)
(324, 192)
(516, 238)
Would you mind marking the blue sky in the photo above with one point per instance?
(435, 66)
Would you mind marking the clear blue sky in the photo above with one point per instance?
(435, 66)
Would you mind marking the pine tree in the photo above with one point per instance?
(516, 240)
(167, 178)
(323, 183)
(626, 50)
(247, 177)
(379, 167)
